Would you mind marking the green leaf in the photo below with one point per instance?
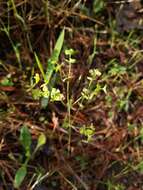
(98, 5)
(25, 138)
(117, 70)
(70, 51)
(6, 82)
(36, 94)
(41, 140)
(19, 177)
(56, 95)
(95, 73)
(71, 60)
(37, 78)
(44, 102)
(45, 91)
(87, 131)
(58, 46)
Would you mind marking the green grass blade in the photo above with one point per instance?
(39, 65)
(55, 56)
(58, 46)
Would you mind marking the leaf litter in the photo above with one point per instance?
(106, 132)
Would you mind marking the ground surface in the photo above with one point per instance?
(92, 118)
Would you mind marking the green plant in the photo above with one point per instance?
(117, 70)
(26, 141)
(123, 94)
(46, 90)
(69, 60)
(7, 81)
(87, 131)
(92, 88)
(98, 5)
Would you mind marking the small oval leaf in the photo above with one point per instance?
(25, 138)
(41, 140)
(19, 177)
